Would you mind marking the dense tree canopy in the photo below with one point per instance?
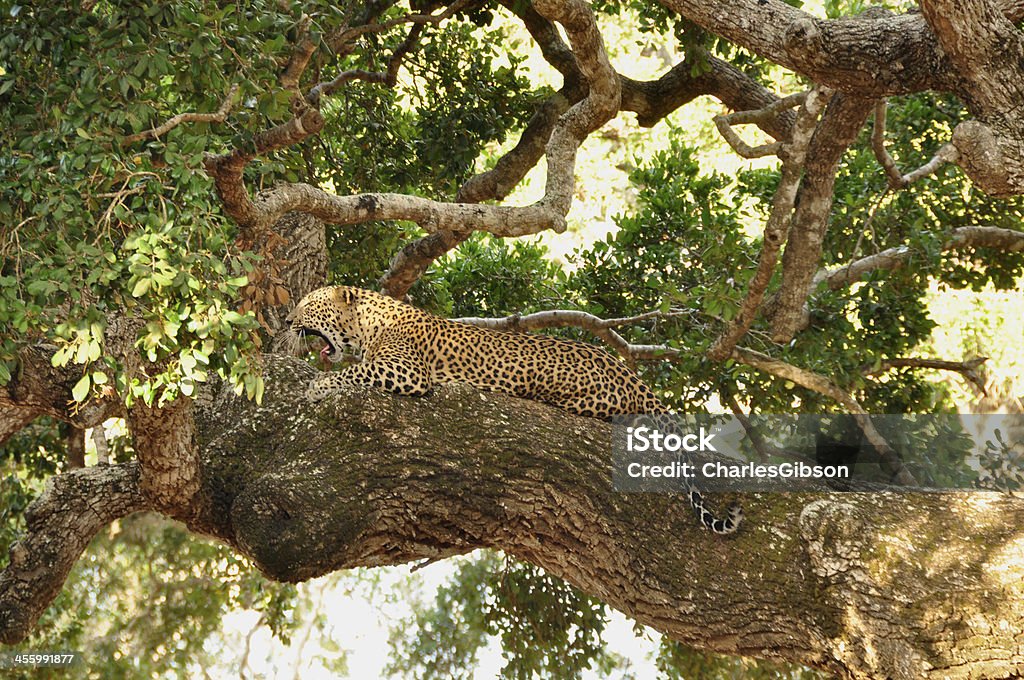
(174, 176)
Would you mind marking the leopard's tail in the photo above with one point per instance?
(728, 525)
(734, 513)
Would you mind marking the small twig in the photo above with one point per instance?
(759, 117)
(893, 174)
(217, 117)
(427, 562)
(946, 154)
(120, 195)
(244, 662)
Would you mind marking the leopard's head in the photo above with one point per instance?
(331, 314)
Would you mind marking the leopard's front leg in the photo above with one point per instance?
(401, 374)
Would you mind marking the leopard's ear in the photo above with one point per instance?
(345, 294)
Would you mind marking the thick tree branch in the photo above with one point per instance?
(838, 128)
(836, 581)
(164, 441)
(369, 479)
(873, 55)
(776, 230)
(413, 260)
(227, 170)
(653, 100)
(987, 52)
(74, 507)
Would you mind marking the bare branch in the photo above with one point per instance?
(388, 77)
(599, 106)
(601, 103)
(509, 171)
(878, 145)
(1009, 240)
(227, 169)
(559, 318)
(217, 117)
(946, 154)
(865, 54)
(347, 35)
(760, 117)
(300, 56)
(651, 101)
(410, 263)
(776, 229)
(822, 385)
(99, 440)
(969, 369)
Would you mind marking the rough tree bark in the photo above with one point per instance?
(865, 585)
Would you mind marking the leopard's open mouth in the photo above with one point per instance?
(329, 351)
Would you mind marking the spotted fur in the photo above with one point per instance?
(407, 351)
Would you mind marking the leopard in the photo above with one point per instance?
(408, 351)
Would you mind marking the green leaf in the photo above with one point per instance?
(60, 357)
(81, 389)
(141, 288)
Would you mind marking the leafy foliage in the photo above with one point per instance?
(546, 627)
